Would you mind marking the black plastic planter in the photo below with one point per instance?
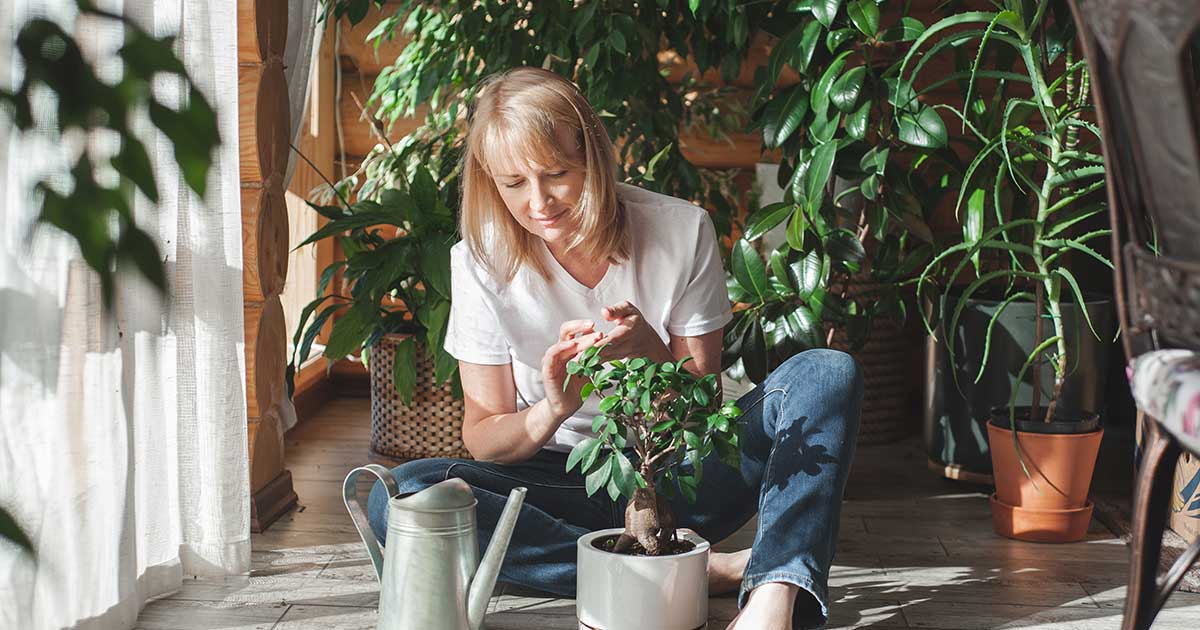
(956, 414)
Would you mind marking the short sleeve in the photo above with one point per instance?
(704, 305)
(473, 333)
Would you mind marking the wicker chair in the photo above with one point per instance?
(1142, 55)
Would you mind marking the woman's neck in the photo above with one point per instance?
(584, 271)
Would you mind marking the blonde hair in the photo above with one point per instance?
(519, 111)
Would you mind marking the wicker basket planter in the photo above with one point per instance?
(889, 359)
(430, 427)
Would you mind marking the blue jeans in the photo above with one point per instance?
(798, 431)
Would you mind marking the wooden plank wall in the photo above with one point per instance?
(263, 132)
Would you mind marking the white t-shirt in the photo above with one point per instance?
(673, 276)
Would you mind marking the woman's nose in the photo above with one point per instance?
(539, 196)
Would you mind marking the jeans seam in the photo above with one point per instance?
(525, 482)
(766, 475)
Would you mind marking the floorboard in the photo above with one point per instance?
(914, 551)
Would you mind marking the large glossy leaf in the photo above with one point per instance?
(754, 352)
(749, 270)
(806, 274)
(901, 95)
(844, 92)
(404, 369)
(906, 30)
(923, 129)
(797, 229)
(778, 264)
(843, 245)
(856, 122)
(802, 55)
(789, 116)
(766, 219)
(826, 10)
(865, 15)
(819, 172)
(820, 92)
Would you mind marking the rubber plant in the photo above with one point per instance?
(1035, 182)
(397, 253)
(96, 212)
(862, 163)
(610, 50)
(670, 420)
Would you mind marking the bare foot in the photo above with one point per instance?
(769, 607)
(725, 571)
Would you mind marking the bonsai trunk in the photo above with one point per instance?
(648, 521)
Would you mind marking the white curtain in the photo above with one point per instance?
(123, 439)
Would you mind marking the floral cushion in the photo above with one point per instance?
(1166, 385)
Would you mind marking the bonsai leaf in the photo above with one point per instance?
(609, 402)
(923, 129)
(599, 478)
(825, 11)
(865, 15)
(749, 270)
(404, 369)
(844, 92)
(626, 475)
(580, 451)
(9, 530)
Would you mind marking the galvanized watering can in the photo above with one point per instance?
(430, 574)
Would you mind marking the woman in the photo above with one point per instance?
(557, 257)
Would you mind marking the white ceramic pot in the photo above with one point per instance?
(620, 592)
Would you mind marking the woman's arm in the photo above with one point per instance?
(705, 351)
(493, 429)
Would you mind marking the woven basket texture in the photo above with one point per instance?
(430, 427)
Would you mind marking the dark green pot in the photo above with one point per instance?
(956, 415)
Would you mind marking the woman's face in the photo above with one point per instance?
(540, 196)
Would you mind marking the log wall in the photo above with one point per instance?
(263, 130)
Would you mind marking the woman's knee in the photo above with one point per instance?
(410, 477)
(830, 371)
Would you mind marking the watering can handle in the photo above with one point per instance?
(359, 516)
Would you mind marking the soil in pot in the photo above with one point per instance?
(674, 547)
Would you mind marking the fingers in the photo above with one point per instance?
(575, 327)
(568, 349)
(620, 311)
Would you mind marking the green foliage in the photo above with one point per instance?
(96, 211)
(671, 417)
(397, 249)
(862, 163)
(610, 50)
(1035, 175)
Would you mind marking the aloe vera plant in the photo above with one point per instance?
(1036, 175)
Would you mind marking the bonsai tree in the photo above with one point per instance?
(664, 416)
(397, 253)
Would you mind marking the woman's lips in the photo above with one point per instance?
(550, 220)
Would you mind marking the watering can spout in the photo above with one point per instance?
(489, 568)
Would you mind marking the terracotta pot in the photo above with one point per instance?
(1050, 503)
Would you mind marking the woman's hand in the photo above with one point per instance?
(574, 337)
(632, 337)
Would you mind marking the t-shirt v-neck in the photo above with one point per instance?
(571, 283)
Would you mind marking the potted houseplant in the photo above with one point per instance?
(392, 309)
(1029, 198)
(854, 172)
(668, 420)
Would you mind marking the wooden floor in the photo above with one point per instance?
(915, 551)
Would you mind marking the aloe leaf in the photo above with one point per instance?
(1012, 401)
(1076, 215)
(987, 338)
(1070, 278)
(973, 226)
(979, 54)
(961, 303)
